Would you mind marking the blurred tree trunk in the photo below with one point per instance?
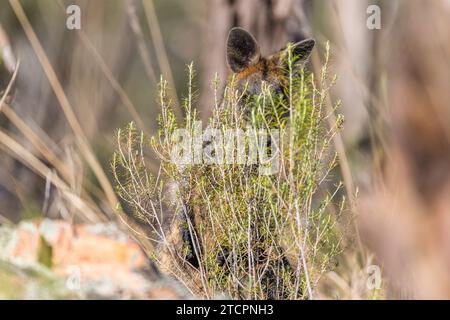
(272, 22)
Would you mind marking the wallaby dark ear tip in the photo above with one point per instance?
(304, 48)
(237, 29)
(309, 43)
(238, 33)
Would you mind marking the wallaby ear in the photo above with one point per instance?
(303, 49)
(242, 50)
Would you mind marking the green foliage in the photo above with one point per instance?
(45, 253)
(257, 235)
(31, 282)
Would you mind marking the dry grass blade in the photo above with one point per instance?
(26, 131)
(161, 54)
(65, 105)
(110, 77)
(6, 51)
(10, 84)
(16, 150)
(137, 30)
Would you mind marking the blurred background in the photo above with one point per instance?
(60, 110)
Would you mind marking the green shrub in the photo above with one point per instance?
(255, 235)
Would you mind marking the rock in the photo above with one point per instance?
(78, 261)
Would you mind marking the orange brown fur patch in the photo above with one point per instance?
(249, 71)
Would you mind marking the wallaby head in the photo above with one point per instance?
(251, 69)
